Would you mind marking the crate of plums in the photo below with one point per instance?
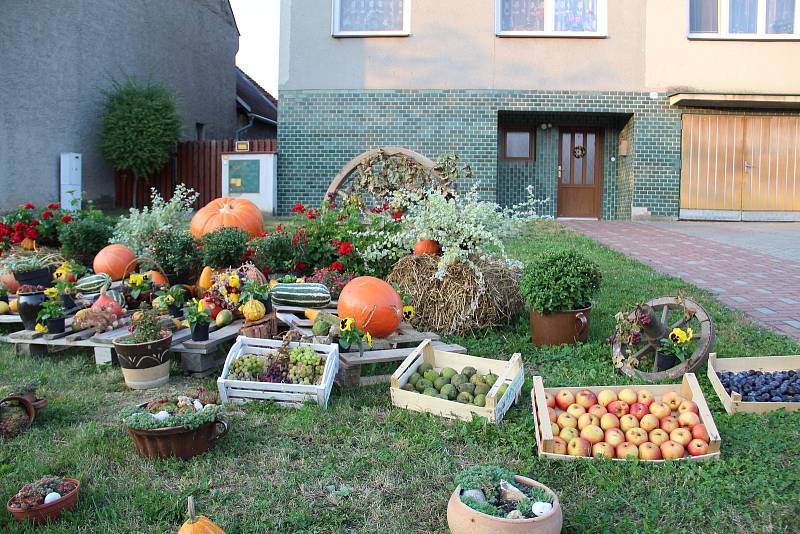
(756, 385)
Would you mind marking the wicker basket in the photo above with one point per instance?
(265, 328)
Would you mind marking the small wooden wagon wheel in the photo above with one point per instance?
(657, 318)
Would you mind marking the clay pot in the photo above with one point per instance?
(561, 327)
(28, 306)
(464, 520)
(178, 441)
(30, 396)
(50, 511)
(29, 409)
(144, 365)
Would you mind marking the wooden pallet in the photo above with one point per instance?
(733, 403)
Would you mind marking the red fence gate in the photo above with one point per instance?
(196, 164)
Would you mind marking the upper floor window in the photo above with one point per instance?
(354, 18)
(744, 19)
(551, 18)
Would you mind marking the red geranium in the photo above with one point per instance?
(20, 226)
(337, 266)
(335, 243)
(264, 234)
(29, 206)
(279, 228)
(300, 266)
(66, 219)
(32, 233)
(345, 248)
(17, 237)
(397, 215)
(311, 215)
(33, 223)
(5, 230)
(299, 208)
(53, 206)
(47, 215)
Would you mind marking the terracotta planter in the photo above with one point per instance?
(464, 520)
(37, 403)
(29, 409)
(144, 365)
(561, 327)
(28, 306)
(178, 442)
(50, 511)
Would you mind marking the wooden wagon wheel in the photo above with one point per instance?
(658, 327)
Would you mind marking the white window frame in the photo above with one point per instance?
(336, 32)
(550, 23)
(723, 22)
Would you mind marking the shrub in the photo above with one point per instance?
(83, 239)
(225, 247)
(274, 252)
(560, 281)
(177, 252)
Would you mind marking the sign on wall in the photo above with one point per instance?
(251, 176)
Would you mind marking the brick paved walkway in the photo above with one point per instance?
(764, 287)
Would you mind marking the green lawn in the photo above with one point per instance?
(392, 470)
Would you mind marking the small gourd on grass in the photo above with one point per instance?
(199, 524)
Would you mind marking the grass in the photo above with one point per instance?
(362, 466)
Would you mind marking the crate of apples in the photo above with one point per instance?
(654, 422)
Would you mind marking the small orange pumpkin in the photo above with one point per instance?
(28, 244)
(115, 260)
(13, 306)
(427, 246)
(157, 278)
(373, 303)
(199, 524)
(231, 212)
(9, 282)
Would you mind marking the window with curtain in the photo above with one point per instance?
(522, 15)
(370, 16)
(559, 18)
(780, 16)
(743, 16)
(743, 19)
(576, 15)
(703, 16)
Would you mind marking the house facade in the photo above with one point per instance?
(57, 57)
(609, 109)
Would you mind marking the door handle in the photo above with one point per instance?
(559, 172)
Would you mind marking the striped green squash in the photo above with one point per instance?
(306, 295)
(118, 297)
(93, 283)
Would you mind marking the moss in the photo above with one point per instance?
(482, 507)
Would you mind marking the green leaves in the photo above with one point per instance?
(225, 247)
(560, 281)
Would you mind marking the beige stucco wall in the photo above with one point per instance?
(673, 62)
(453, 45)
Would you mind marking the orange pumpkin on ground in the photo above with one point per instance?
(199, 524)
(373, 303)
(427, 246)
(9, 282)
(231, 212)
(114, 260)
(157, 278)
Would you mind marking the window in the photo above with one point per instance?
(363, 18)
(518, 144)
(200, 130)
(551, 18)
(744, 19)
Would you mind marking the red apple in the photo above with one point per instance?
(588, 419)
(605, 397)
(618, 408)
(579, 447)
(568, 433)
(551, 400)
(627, 450)
(559, 446)
(649, 451)
(700, 432)
(597, 410)
(603, 449)
(566, 420)
(644, 396)
(637, 436)
(627, 395)
(697, 447)
(564, 398)
(639, 410)
(649, 422)
(681, 435)
(593, 434)
(672, 399)
(552, 413)
(576, 410)
(626, 422)
(668, 424)
(614, 436)
(688, 406)
(658, 436)
(609, 420)
(671, 450)
(660, 409)
(585, 398)
(688, 419)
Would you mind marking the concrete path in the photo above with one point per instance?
(742, 275)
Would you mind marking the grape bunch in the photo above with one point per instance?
(247, 367)
(276, 372)
(305, 366)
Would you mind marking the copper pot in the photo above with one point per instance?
(560, 327)
(178, 441)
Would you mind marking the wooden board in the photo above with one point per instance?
(733, 403)
(10, 318)
(509, 372)
(688, 389)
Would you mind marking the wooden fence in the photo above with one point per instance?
(196, 164)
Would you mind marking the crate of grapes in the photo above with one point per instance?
(287, 373)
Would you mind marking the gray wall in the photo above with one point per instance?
(57, 56)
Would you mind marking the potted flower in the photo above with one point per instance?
(676, 347)
(31, 270)
(137, 289)
(255, 290)
(199, 320)
(64, 289)
(180, 426)
(29, 301)
(44, 500)
(349, 334)
(172, 298)
(52, 315)
(559, 286)
(16, 415)
(492, 499)
(144, 353)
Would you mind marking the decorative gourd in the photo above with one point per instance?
(311, 314)
(427, 246)
(273, 283)
(305, 295)
(13, 306)
(117, 296)
(157, 278)
(253, 310)
(199, 524)
(115, 260)
(93, 283)
(10, 283)
(4, 308)
(28, 244)
(104, 301)
(205, 281)
(373, 303)
(231, 212)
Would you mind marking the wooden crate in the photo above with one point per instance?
(688, 389)
(289, 395)
(733, 403)
(509, 372)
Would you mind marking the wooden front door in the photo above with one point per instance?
(580, 172)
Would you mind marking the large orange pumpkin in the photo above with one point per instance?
(373, 303)
(234, 212)
(427, 246)
(113, 261)
(10, 283)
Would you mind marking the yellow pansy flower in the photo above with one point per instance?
(368, 337)
(40, 328)
(234, 281)
(51, 292)
(408, 312)
(678, 336)
(345, 325)
(136, 279)
(199, 304)
(169, 299)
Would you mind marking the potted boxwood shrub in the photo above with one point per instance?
(29, 302)
(493, 500)
(178, 253)
(179, 426)
(52, 315)
(44, 500)
(144, 353)
(559, 286)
